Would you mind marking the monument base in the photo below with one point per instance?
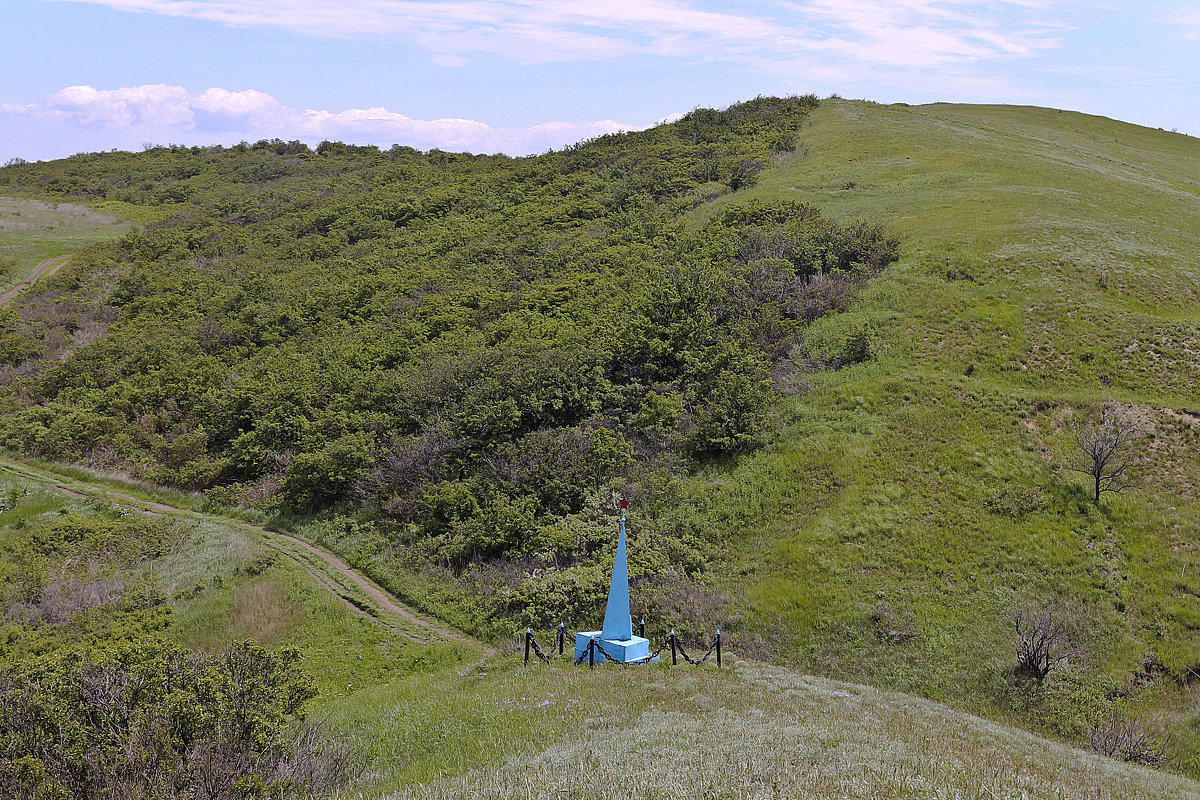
(625, 650)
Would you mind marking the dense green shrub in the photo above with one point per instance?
(151, 719)
(471, 348)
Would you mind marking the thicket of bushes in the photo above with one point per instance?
(469, 348)
(153, 720)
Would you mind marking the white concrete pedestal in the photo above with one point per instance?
(630, 649)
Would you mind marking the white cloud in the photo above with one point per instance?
(1185, 21)
(155, 104)
(895, 32)
(236, 104)
(925, 33)
(171, 111)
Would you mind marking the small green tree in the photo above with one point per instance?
(319, 478)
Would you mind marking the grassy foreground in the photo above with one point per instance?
(756, 731)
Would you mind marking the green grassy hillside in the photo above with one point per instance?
(443, 367)
(109, 605)
(1050, 261)
(91, 572)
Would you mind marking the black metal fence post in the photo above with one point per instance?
(528, 639)
(674, 651)
(718, 648)
(562, 635)
(642, 628)
(591, 653)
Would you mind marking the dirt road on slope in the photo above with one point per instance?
(43, 270)
(327, 573)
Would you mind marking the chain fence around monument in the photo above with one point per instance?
(532, 647)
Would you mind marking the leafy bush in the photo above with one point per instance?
(151, 719)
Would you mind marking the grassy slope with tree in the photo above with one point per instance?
(907, 505)
(911, 503)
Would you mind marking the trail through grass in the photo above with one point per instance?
(34, 231)
(357, 593)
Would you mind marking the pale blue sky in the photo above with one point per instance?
(518, 77)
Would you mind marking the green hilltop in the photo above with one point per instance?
(1048, 265)
(835, 354)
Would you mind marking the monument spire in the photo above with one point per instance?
(616, 641)
(618, 624)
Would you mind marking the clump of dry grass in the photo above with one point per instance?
(262, 606)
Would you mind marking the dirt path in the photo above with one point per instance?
(382, 599)
(45, 269)
(385, 600)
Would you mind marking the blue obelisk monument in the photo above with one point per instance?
(616, 639)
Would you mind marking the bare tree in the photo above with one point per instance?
(1127, 740)
(1107, 448)
(1044, 636)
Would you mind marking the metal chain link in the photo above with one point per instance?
(701, 660)
(661, 647)
(538, 650)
